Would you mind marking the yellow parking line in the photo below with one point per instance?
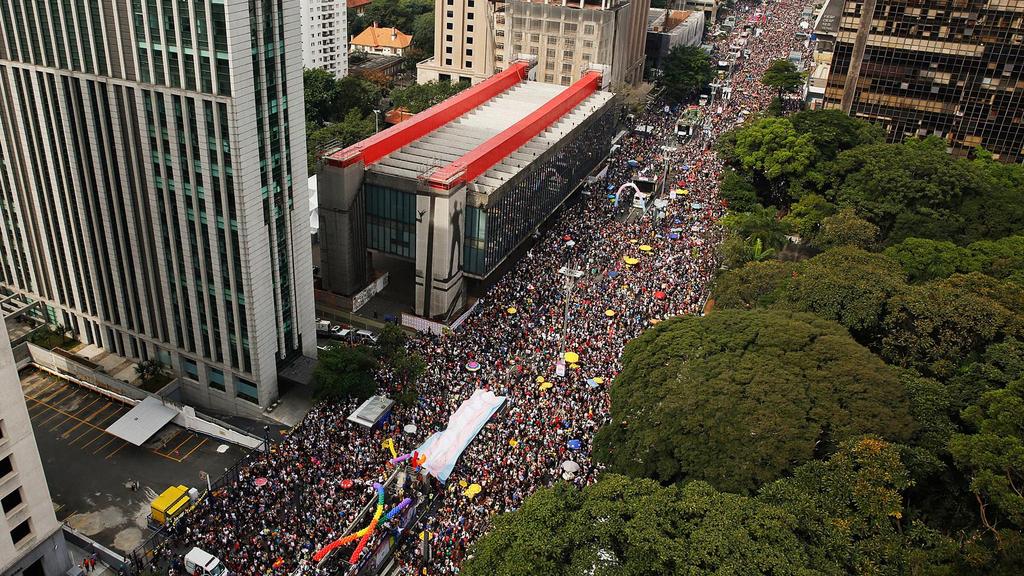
(44, 389)
(185, 457)
(116, 451)
(112, 438)
(79, 411)
(44, 422)
(182, 443)
(86, 421)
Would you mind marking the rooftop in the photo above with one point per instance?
(382, 37)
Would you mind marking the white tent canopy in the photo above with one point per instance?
(143, 421)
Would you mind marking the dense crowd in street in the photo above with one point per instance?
(273, 526)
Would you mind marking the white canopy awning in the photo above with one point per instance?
(143, 421)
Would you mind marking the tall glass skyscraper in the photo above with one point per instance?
(949, 68)
(153, 183)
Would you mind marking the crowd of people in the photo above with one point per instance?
(637, 270)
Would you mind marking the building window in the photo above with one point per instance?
(447, 61)
(469, 16)
(469, 27)
(11, 501)
(469, 52)
(549, 78)
(469, 64)
(471, 3)
(449, 26)
(566, 68)
(1, 429)
(469, 39)
(6, 467)
(20, 532)
(566, 80)
(588, 29)
(449, 14)
(447, 49)
(448, 38)
(190, 368)
(216, 378)
(247, 391)
(551, 52)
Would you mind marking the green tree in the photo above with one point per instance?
(319, 95)
(938, 326)
(758, 224)
(833, 131)
(923, 259)
(773, 153)
(346, 372)
(849, 286)
(755, 285)
(627, 526)
(992, 453)
(805, 216)
(1002, 258)
(686, 72)
(739, 398)
(783, 76)
(392, 350)
(845, 228)
(739, 192)
(423, 32)
(849, 508)
(419, 97)
(353, 128)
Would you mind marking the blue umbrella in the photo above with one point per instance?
(633, 163)
(697, 206)
(574, 444)
(674, 236)
(613, 273)
(591, 383)
(611, 186)
(611, 196)
(677, 221)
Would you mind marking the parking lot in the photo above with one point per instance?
(90, 472)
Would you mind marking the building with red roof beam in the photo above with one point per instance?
(447, 196)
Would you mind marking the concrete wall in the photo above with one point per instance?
(18, 443)
(187, 416)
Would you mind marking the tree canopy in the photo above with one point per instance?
(740, 398)
(686, 72)
(783, 76)
(419, 97)
(622, 525)
(345, 372)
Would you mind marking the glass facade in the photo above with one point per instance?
(519, 205)
(391, 220)
(950, 68)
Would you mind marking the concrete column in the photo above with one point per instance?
(867, 14)
(440, 237)
(342, 212)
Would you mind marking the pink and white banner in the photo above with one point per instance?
(444, 448)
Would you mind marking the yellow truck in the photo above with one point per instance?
(168, 505)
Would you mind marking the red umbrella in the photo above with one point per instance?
(659, 295)
(566, 238)
(346, 484)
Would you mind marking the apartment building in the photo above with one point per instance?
(153, 184)
(474, 39)
(325, 36)
(949, 68)
(31, 540)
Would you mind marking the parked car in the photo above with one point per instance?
(366, 336)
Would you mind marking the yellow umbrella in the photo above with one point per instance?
(633, 240)
(546, 386)
(571, 357)
(609, 313)
(540, 379)
(574, 366)
(599, 380)
(645, 248)
(473, 490)
(513, 443)
(630, 261)
(511, 310)
(463, 483)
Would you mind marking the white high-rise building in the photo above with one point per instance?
(325, 36)
(153, 183)
(31, 540)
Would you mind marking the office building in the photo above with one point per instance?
(31, 540)
(153, 184)
(667, 29)
(473, 39)
(325, 36)
(448, 195)
(935, 67)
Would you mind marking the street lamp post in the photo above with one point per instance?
(571, 276)
(376, 121)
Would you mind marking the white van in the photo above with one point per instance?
(198, 562)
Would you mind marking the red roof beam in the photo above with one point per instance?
(497, 148)
(394, 138)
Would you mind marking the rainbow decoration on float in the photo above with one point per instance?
(364, 535)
